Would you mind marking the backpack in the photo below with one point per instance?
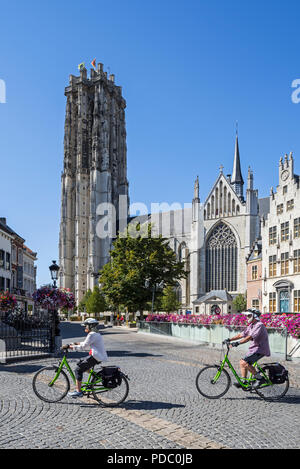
(277, 373)
(111, 376)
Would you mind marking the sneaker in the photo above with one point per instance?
(238, 385)
(259, 381)
(75, 394)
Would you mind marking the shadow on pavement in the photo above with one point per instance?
(128, 353)
(22, 368)
(130, 405)
(149, 405)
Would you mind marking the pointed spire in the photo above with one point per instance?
(196, 189)
(236, 177)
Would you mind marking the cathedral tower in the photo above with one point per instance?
(94, 174)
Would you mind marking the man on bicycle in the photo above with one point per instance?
(256, 332)
(93, 343)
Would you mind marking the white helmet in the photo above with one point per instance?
(91, 323)
(253, 314)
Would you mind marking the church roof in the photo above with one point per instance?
(264, 206)
(236, 176)
(255, 251)
(214, 295)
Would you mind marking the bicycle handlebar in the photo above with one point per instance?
(65, 347)
(226, 342)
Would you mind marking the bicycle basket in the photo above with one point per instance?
(276, 372)
(111, 376)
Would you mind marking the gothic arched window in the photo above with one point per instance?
(221, 259)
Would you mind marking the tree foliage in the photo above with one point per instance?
(169, 301)
(240, 303)
(95, 302)
(139, 263)
(82, 304)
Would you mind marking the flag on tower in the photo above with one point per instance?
(81, 66)
(93, 63)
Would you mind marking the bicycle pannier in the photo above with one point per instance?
(277, 373)
(111, 376)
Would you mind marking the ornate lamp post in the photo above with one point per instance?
(54, 268)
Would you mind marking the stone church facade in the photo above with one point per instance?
(231, 243)
(94, 174)
(218, 241)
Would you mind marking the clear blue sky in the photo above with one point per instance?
(189, 70)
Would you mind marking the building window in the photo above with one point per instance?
(285, 231)
(254, 272)
(2, 257)
(279, 209)
(284, 189)
(296, 301)
(297, 228)
(255, 303)
(272, 302)
(221, 259)
(297, 261)
(284, 263)
(2, 283)
(7, 261)
(272, 235)
(290, 204)
(272, 266)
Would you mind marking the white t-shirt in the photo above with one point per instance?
(94, 343)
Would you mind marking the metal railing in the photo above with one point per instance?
(24, 335)
(278, 344)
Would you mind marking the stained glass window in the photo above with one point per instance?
(221, 259)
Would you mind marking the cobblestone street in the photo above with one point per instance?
(163, 409)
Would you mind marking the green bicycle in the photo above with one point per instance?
(214, 381)
(51, 383)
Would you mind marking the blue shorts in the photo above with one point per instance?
(254, 357)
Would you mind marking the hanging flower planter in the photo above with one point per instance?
(7, 301)
(54, 298)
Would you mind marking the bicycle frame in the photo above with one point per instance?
(85, 387)
(241, 380)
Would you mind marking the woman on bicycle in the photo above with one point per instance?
(93, 343)
(257, 333)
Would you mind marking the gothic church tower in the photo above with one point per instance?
(95, 173)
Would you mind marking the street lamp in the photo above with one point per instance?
(54, 268)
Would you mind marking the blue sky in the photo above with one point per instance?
(189, 70)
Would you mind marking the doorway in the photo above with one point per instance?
(284, 299)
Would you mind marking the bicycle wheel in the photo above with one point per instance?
(46, 391)
(210, 387)
(273, 392)
(110, 397)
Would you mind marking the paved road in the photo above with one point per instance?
(163, 409)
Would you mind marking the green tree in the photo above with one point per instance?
(82, 304)
(169, 301)
(139, 264)
(240, 303)
(95, 302)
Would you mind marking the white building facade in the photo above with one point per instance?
(280, 233)
(5, 259)
(29, 275)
